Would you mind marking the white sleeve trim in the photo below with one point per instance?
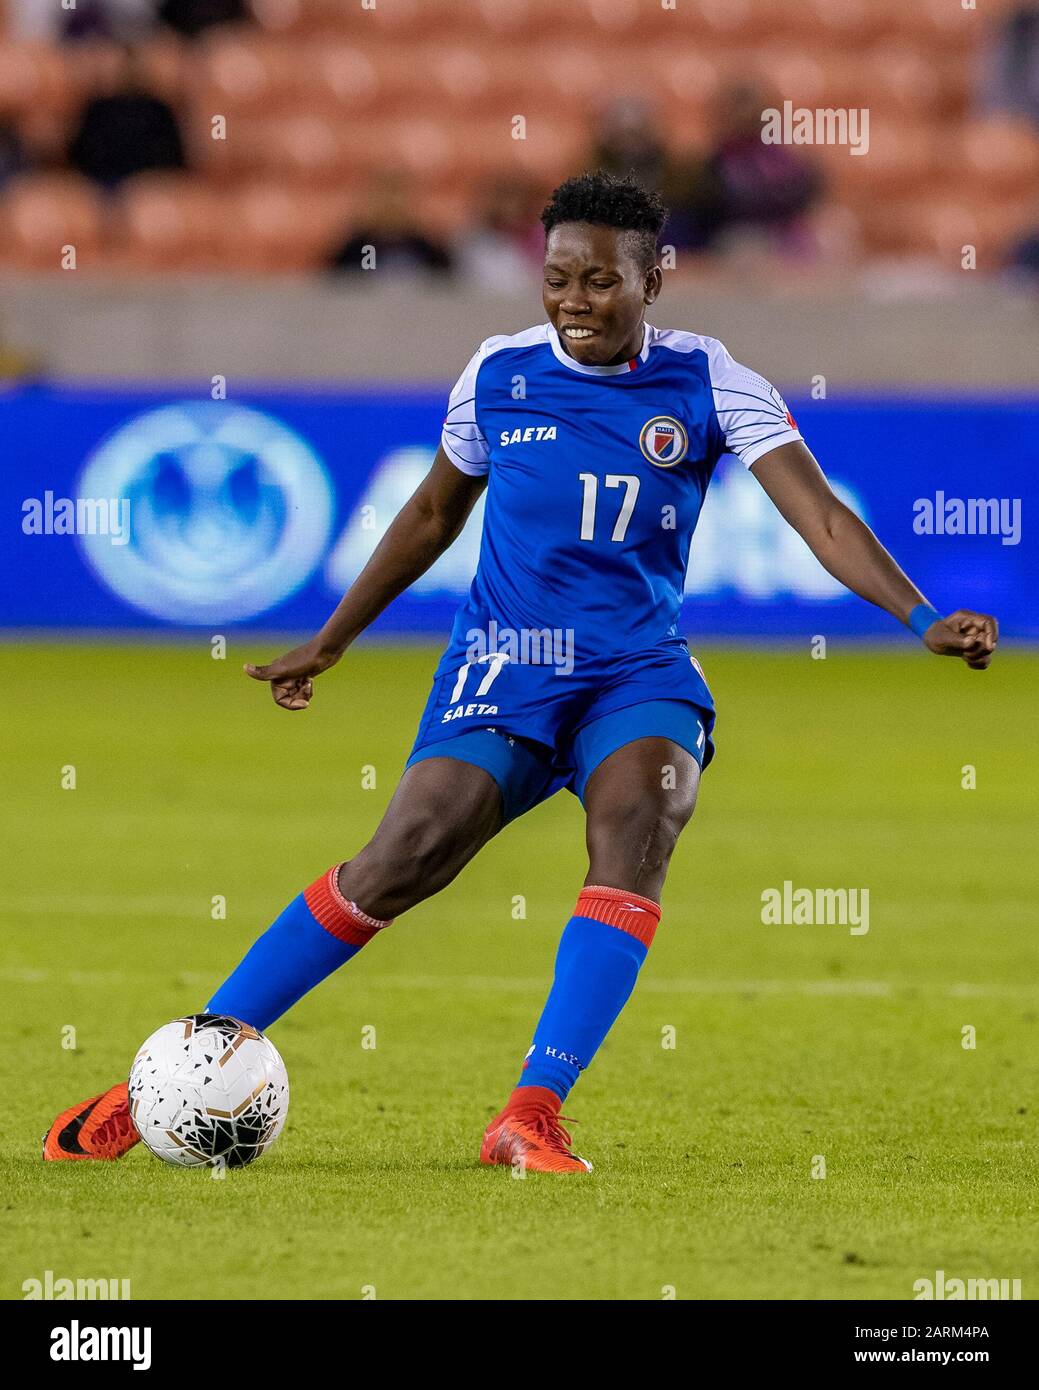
(765, 446)
(753, 416)
(474, 468)
(461, 437)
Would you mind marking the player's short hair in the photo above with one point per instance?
(608, 201)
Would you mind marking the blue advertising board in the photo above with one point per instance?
(155, 509)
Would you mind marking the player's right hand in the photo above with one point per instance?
(291, 677)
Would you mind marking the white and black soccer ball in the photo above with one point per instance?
(208, 1090)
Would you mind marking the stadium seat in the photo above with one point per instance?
(617, 19)
(344, 77)
(551, 84)
(277, 228)
(940, 23)
(44, 214)
(848, 23)
(170, 222)
(239, 72)
(690, 76)
(166, 63)
(901, 158)
(901, 80)
(816, 77)
(516, 19)
(31, 76)
(444, 213)
(1001, 153)
(943, 227)
(467, 76)
(733, 21)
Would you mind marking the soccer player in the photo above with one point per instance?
(595, 436)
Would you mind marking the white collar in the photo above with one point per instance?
(563, 356)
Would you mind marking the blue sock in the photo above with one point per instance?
(295, 954)
(599, 958)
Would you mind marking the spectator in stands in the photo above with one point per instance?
(121, 20)
(629, 142)
(387, 240)
(1023, 260)
(125, 131)
(1013, 64)
(13, 159)
(194, 17)
(766, 188)
(506, 242)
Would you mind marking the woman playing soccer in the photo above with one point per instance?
(596, 436)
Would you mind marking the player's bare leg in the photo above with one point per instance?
(638, 800)
(442, 812)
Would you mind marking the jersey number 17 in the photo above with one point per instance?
(628, 481)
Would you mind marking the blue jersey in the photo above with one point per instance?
(596, 477)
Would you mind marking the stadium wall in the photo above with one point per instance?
(901, 336)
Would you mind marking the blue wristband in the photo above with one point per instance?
(921, 618)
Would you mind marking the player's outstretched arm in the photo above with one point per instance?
(845, 546)
(422, 530)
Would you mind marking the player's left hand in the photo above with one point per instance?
(972, 636)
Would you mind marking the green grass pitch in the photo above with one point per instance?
(790, 1042)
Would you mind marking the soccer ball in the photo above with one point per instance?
(208, 1090)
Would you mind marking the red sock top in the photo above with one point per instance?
(340, 917)
(630, 912)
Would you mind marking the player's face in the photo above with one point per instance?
(595, 293)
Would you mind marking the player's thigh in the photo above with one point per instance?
(638, 801)
(442, 812)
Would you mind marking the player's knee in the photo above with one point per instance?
(640, 831)
(395, 871)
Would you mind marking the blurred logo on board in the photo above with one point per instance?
(231, 511)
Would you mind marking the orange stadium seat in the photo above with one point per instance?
(690, 76)
(170, 222)
(1001, 153)
(816, 77)
(474, 150)
(900, 158)
(345, 77)
(45, 213)
(296, 17)
(241, 72)
(397, 19)
(566, 87)
(276, 228)
(943, 227)
(314, 149)
(166, 63)
(850, 23)
(445, 214)
(458, 77)
(616, 19)
(902, 80)
(940, 23)
(731, 21)
(31, 76)
(516, 19)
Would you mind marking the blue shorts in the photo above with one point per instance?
(537, 729)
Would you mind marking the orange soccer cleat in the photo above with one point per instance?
(100, 1127)
(533, 1137)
